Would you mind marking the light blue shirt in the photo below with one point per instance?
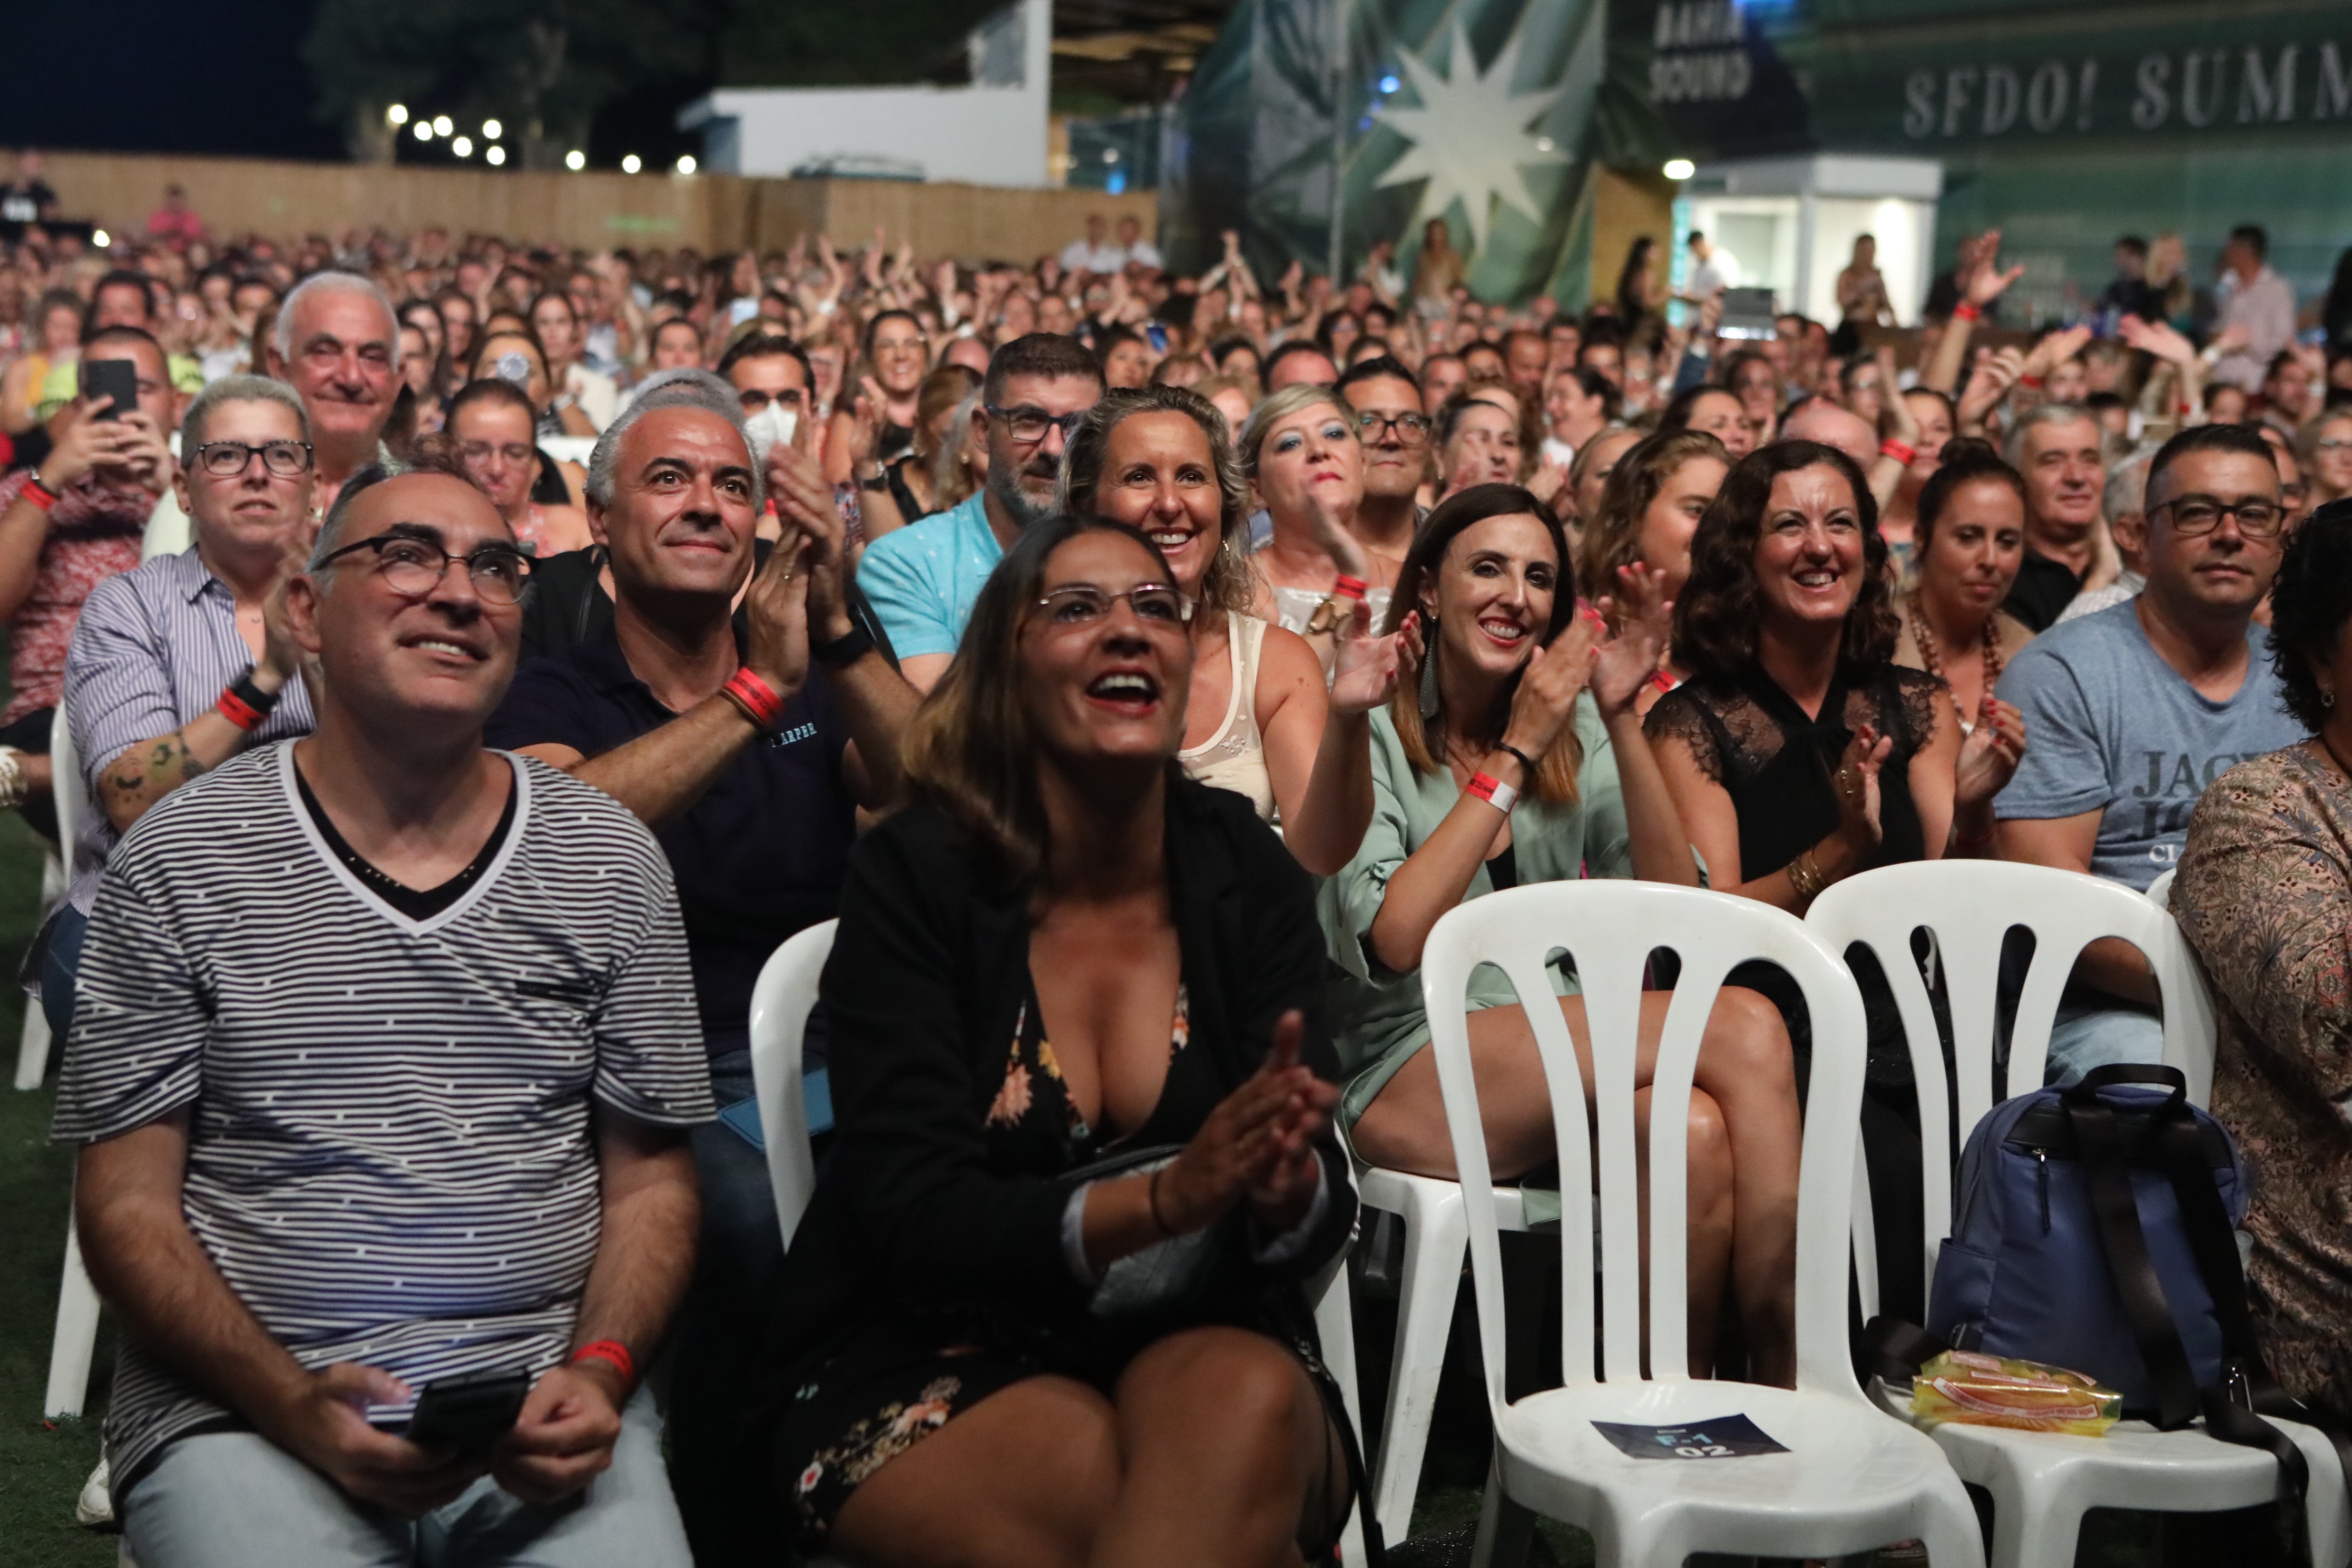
(923, 578)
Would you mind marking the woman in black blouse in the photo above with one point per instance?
(1064, 949)
(1799, 752)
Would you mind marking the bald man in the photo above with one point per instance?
(1819, 419)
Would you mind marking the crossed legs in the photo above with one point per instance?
(1213, 1447)
(1744, 1134)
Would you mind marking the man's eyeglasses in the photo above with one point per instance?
(1412, 429)
(2193, 516)
(414, 567)
(226, 459)
(1028, 426)
(1082, 604)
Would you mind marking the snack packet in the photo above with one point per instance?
(1993, 1390)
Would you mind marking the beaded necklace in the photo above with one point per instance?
(1992, 659)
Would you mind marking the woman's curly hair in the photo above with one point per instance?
(1715, 619)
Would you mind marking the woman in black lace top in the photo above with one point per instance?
(1798, 753)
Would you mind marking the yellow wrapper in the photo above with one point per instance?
(1993, 1391)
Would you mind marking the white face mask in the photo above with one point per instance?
(771, 427)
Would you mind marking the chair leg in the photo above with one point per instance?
(2327, 1508)
(77, 1335)
(33, 1046)
(1436, 1239)
(1335, 1327)
(1507, 1531)
(2036, 1528)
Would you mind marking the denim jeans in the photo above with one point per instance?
(235, 1499)
(2086, 1038)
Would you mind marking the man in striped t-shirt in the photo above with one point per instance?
(383, 1065)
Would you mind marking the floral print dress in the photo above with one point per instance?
(887, 1385)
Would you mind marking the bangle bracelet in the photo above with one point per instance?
(40, 494)
(1890, 447)
(1347, 587)
(1492, 791)
(1805, 876)
(756, 698)
(1525, 761)
(611, 1352)
(1152, 1195)
(1966, 311)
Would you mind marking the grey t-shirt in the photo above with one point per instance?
(2110, 726)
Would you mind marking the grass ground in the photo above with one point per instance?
(42, 1463)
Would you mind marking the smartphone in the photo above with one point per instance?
(468, 1414)
(1747, 314)
(115, 378)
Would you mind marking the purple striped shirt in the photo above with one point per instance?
(153, 651)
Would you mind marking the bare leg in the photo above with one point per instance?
(1224, 1446)
(1744, 1065)
(1023, 1479)
(1708, 1221)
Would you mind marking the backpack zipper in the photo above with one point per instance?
(2041, 1181)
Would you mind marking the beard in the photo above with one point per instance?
(1004, 484)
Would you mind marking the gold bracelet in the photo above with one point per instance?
(1805, 877)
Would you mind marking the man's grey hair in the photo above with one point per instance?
(2014, 448)
(237, 389)
(2126, 494)
(683, 387)
(283, 336)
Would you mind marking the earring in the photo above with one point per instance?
(1429, 671)
(2326, 699)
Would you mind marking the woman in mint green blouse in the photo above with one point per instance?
(1520, 690)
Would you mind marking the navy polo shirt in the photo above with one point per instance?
(761, 855)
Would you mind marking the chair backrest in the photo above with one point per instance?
(71, 791)
(1970, 906)
(2159, 892)
(1610, 929)
(168, 530)
(780, 1003)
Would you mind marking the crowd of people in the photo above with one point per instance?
(1001, 612)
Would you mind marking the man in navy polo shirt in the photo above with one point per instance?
(747, 758)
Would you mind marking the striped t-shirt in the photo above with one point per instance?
(390, 1155)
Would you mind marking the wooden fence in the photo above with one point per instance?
(594, 210)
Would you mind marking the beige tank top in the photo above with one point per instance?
(1234, 757)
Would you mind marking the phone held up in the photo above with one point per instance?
(115, 378)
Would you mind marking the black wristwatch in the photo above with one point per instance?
(844, 651)
(252, 696)
(877, 484)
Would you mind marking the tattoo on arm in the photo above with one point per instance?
(169, 765)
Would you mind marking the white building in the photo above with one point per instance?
(991, 133)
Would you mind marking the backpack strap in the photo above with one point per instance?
(2115, 1210)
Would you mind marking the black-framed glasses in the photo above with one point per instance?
(414, 567)
(226, 459)
(1028, 426)
(1412, 429)
(2193, 516)
(1082, 604)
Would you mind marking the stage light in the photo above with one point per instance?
(1680, 168)
(575, 159)
(100, 238)
(424, 131)
(463, 146)
(496, 156)
(397, 115)
(685, 163)
(441, 125)
(492, 129)
(631, 164)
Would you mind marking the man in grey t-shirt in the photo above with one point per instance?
(2132, 711)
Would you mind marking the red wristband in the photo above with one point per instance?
(1902, 454)
(2032, 380)
(40, 494)
(1347, 587)
(609, 1350)
(238, 710)
(1966, 311)
(756, 698)
(1492, 791)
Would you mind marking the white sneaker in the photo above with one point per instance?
(95, 1506)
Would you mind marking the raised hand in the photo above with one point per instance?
(777, 609)
(1285, 1183)
(2056, 350)
(1981, 278)
(813, 528)
(1247, 1143)
(1622, 666)
(2157, 338)
(1367, 668)
(1989, 756)
(1549, 684)
(1855, 782)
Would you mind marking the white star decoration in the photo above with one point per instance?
(1470, 135)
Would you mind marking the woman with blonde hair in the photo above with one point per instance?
(1305, 462)
(943, 466)
(1260, 722)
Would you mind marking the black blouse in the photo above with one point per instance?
(1750, 737)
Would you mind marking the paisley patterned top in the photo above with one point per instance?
(2264, 897)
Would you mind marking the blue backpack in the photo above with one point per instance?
(2096, 1230)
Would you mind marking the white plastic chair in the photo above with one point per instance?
(76, 1338)
(781, 1003)
(1852, 1477)
(2159, 892)
(2042, 1482)
(33, 1044)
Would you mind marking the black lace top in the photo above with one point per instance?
(1750, 737)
